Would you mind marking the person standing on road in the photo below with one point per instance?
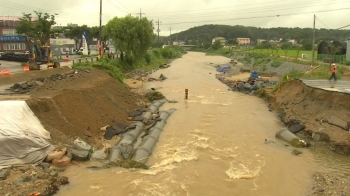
(333, 69)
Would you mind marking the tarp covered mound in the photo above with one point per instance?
(23, 139)
(223, 68)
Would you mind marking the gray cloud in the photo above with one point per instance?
(184, 14)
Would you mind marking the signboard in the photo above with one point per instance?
(59, 42)
(84, 44)
(12, 39)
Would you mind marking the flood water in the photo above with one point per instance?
(212, 145)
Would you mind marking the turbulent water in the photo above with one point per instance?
(212, 145)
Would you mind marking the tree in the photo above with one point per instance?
(297, 48)
(332, 50)
(307, 44)
(216, 45)
(232, 41)
(206, 45)
(131, 36)
(38, 29)
(285, 47)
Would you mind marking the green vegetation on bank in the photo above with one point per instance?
(115, 67)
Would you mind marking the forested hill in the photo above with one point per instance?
(208, 32)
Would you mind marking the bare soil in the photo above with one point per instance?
(77, 106)
(312, 107)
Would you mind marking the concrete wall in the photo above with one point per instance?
(348, 50)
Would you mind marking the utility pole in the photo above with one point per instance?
(313, 43)
(170, 35)
(100, 33)
(158, 30)
(140, 14)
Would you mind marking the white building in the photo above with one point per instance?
(292, 41)
(259, 41)
(221, 39)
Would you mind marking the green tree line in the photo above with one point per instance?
(231, 33)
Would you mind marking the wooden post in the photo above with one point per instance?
(79, 60)
(186, 93)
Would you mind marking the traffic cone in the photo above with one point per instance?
(26, 68)
(6, 72)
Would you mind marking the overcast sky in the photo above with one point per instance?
(184, 14)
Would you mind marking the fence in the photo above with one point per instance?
(337, 58)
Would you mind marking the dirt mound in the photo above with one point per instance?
(78, 106)
(323, 112)
(25, 76)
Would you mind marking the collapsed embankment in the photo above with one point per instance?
(324, 113)
(77, 106)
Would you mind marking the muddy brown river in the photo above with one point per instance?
(212, 145)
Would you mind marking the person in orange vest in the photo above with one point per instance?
(334, 70)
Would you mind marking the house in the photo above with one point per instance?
(243, 41)
(259, 41)
(221, 39)
(179, 43)
(292, 41)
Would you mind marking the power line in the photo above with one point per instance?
(170, 35)
(322, 22)
(343, 27)
(22, 7)
(244, 11)
(215, 8)
(158, 30)
(140, 14)
(117, 7)
(255, 17)
(124, 6)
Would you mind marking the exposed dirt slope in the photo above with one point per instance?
(295, 100)
(25, 76)
(78, 106)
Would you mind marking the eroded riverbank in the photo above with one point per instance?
(212, 145)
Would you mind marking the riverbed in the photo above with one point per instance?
(214, 144)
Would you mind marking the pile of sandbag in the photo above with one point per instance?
(59, 157)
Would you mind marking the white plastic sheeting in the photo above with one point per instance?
(23, 139)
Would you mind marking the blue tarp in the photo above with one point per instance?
(254, 74)
(223, 68)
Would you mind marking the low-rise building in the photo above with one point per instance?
(243, 41)
(259, 41)
(221, 39)
(9, 39)
(292, 41)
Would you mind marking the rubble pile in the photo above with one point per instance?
(30, 85)
(250, 86)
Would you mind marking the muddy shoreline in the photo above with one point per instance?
(324, 184)
(290, 103)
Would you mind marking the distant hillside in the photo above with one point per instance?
(207, 32)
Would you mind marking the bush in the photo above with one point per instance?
(347, 63)
(156, 53)
(276, 64)
(148, 58)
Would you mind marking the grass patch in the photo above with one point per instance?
(290, 53)
(116, 67)
(111, 66)
(276, 63)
